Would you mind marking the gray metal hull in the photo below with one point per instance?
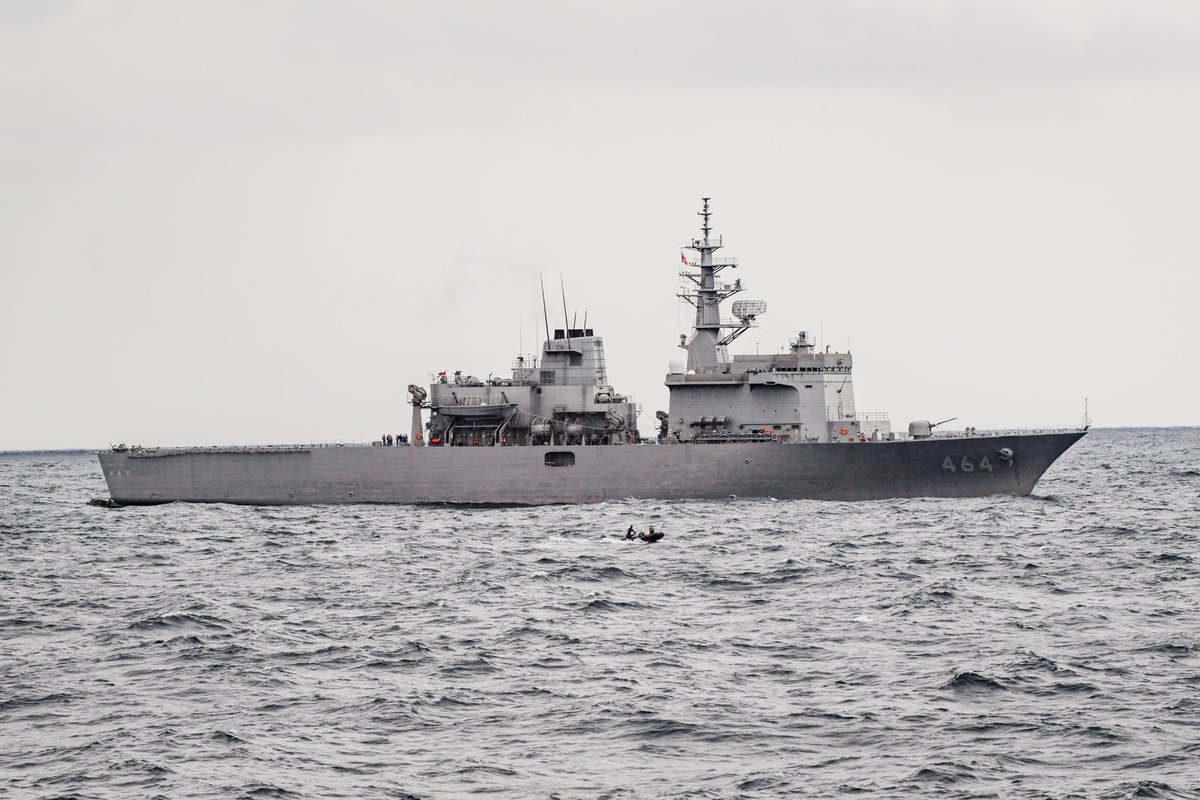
(938, 467)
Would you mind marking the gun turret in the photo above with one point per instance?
(923, 428)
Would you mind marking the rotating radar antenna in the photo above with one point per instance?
(747, 310)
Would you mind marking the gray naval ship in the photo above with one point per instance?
(781, 425)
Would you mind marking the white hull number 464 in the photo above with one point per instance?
(965, 465)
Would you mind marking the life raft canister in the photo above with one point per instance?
(842, 431)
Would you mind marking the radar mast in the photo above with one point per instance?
(705, 347)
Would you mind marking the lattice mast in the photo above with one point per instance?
(705, 344)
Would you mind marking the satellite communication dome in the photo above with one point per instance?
(749, 309)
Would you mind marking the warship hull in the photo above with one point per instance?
(971, 466)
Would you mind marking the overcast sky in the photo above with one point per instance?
(260, 221)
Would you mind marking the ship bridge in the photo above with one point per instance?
(795, 396)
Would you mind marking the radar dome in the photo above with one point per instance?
(675, 366)
(749, 309)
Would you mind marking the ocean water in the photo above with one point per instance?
(1041, 647)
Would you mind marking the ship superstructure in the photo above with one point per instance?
(563, 399)
(798, 396)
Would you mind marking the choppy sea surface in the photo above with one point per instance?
(1044, 646)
